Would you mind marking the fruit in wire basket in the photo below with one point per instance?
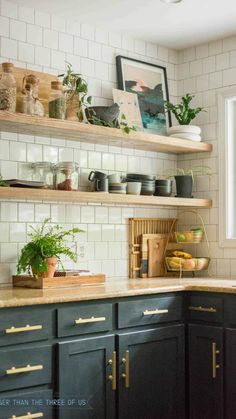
(181, 254)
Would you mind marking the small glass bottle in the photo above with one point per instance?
(28, 101)
(67, 176)
(7, 88)
(34, 82)
(57, 101)
(43, 172)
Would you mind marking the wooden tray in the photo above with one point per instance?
(27, 281)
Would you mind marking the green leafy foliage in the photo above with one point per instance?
(46, 241)
(182, 111)
(75, 85)
(93, 119)
(194, 172)
(2, 182)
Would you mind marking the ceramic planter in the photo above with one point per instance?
(187, 132)
(51, 267)
(74, 109)
(184, 186)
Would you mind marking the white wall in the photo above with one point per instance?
(38, 41)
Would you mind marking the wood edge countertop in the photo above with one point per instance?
(116, 288)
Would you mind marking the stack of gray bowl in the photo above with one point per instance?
(148, 182)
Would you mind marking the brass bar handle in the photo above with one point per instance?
(28, 368)
(215, 366)
(90, 320)
(156, 311)
(202, 309)
(26, 328)
(112, 377)
(125, 375)
(28, 416)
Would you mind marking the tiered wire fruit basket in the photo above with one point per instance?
(177, 259)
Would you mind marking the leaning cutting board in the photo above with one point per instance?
(156, 250)
(145, 251)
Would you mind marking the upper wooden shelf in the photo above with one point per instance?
(101, 198)
(35, 125)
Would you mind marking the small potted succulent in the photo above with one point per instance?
(184, 114)
(76, 91)
(41, 255)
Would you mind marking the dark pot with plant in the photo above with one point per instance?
(185, 180)
(42, 254)
(184, 115)
(76, 91)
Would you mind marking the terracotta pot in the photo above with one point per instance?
(74, 109)
(51, 267)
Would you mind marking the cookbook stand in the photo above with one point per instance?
(177, 264)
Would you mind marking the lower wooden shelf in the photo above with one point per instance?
(101, 198)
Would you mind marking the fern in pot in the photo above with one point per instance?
(41, 255)
(184, 114)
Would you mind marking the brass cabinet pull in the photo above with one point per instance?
(125, 375)
(203, 309)
(90, 320)
(28, 416)
(28, 368)
(112, 377)
(156, 311)
(215, 366)
(26, 328)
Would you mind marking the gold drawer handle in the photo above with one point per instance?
(157, 311)
(202, 309)
(125, 375)
(26, 328)
(28, 368)
(28, 416)
(112, 377)
(215, 366)
(90, 320)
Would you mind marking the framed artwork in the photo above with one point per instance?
(149, 82)
(129, 106)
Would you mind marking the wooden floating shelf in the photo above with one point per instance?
(70, 130)
(100, 198)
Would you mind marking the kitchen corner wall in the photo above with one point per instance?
(204, 70)
(38, 41)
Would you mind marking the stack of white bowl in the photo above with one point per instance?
(186, 132)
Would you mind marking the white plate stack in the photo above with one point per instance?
(186, 132)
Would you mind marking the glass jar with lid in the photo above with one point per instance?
(43, 172)
(57, 101)
(7, 88)
(67, 176)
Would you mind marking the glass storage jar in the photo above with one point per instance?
(43, 172)
(7, 88)
(57, 101)
(67, 176)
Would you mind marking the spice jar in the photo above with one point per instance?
(43, 172)
(28, 101)
(33, 81)
(57, 101)
(7, 88)
(67, 176)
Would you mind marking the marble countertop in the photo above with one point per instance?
(119, 287)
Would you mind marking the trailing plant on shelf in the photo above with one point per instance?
(76, 91)
(184, 114)
(185, 178)
(42, 253)
(3, 183)
(95, 120)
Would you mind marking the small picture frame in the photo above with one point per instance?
(129, 107)
(149, 82)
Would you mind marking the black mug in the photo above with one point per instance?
(101, 185)
(94, 175)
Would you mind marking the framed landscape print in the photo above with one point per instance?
(149, 82)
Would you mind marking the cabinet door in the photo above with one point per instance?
(205, 372)
(154, 362)
(230, 374)
(84, 385)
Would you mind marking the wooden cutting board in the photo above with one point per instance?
(145, 251)
(156, 249)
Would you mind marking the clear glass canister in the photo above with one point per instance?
(57, 101)
(7, 88)
(67, 176)
(43, 172)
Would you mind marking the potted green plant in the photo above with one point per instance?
(41, 255)
(185, 178)
(184, 114)
(76, 91)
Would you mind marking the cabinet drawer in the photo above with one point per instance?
(230, 312)
(205, 308)
(25, 367)
(149, 311)
(84, 318)
(24, 325)
(21, 404)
